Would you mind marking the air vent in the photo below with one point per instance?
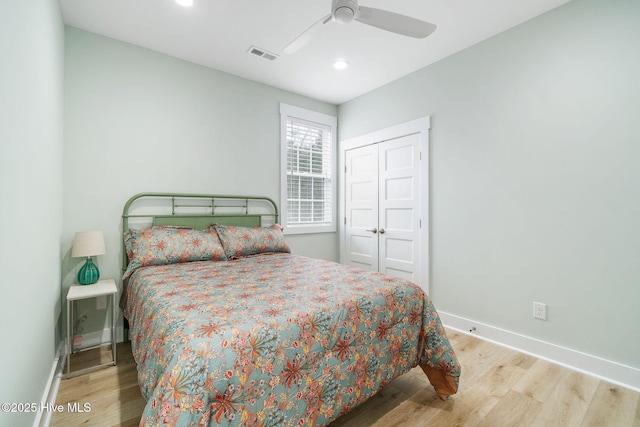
(262, 53)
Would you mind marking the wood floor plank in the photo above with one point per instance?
(568, 404)
(499, 387)
(385, 401)
(408, 413)
(514, 409)
(501, 378)
(416, 411)
(467, 409)
(540, 380)
(521, 360)
(611, 405)
(113, 393)
(477, 357)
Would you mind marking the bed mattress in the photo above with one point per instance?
(276, 340)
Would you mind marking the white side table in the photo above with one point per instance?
(105, 287)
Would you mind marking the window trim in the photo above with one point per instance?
(288, 112)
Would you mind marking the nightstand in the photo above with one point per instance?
(107, 288)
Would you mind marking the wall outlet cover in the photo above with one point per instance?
(540, 310)
(101, 302)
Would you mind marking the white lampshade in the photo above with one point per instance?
(88, 243)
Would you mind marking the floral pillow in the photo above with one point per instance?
(161, 245)
(242, 241)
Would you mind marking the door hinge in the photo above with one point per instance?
(420, 224)
(345, 220)
(421, 155)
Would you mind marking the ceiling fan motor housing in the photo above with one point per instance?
(344, 11)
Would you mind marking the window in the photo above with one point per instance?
(308, 199)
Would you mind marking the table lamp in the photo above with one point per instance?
(88, 244)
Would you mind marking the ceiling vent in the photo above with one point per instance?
(262, 53)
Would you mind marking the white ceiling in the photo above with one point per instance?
(218, 33)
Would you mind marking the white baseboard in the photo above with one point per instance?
(616, 373)
(43, 418)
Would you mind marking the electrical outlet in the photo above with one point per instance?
(101, 302)
(540, 310)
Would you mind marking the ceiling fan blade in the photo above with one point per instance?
(308, 35)
(394, 22)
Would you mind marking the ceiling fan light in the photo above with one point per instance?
(185, 3)
(340, 64)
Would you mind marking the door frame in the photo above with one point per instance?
(419, 126)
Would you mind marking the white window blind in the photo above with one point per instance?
(308, 170)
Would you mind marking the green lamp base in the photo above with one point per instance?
(89, 273)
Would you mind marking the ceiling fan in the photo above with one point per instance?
(345, 11)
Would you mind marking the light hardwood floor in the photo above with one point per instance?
(499, 387)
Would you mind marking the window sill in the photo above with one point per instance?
(309, 229)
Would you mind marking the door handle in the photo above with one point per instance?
(382, 231)
(374, 230)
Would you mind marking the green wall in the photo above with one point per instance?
(534, 175)
(137, 121)
(31, 137)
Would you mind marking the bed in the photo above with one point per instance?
(227, 327)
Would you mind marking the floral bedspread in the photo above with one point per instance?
(274, 340)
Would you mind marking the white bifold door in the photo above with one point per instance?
(382, 207)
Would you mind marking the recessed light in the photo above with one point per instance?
(185, 3)
(340, 64)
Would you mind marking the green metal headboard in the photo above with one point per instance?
(195, 210)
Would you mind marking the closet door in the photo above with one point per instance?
(382, 207)
(361, 204)
(399, 207)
